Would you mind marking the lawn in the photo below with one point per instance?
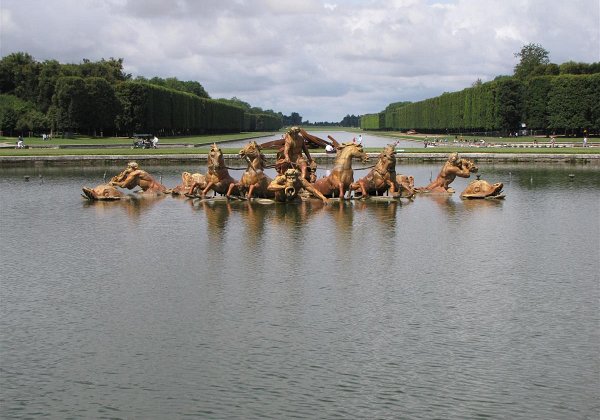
(84, 146)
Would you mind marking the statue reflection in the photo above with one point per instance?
(134, 205)
(254, 223)
(472, 205)
(217, 216)
(384, 213)
(343, 214)
(296, 214)
(443, 200)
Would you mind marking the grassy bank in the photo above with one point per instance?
(85, 146)
(127, 142)
(522, 140)
(204, 150)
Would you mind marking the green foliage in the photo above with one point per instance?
(509, 99)
(535, 102)
(350, 121)
(236, 102)
(293, 119)
(173, 83)
(70, 104)
(18, 116)
(19, 76)
(84, 104)
(151, 108)
(94, 97)
(566, 103)
(531, 57)
(573, 103)
(371, 122)
(571, 67)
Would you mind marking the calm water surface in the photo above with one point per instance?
(369, 140)
(435, 308)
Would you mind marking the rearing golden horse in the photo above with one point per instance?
(254, 180)
(342, 175)
(382, 177)
(217, 177)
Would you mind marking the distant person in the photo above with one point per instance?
(359, 142)
(155, 142)
(585, 141)
(20, 144)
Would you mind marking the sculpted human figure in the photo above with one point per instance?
(287, 186)
(452, 168)
(292, 156)
(134, 177)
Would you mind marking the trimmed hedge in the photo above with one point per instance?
(566, 103)
(156, 109)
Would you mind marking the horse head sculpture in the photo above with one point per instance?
(382, 177)
(217, 177)
(253, 180)
(342, 175)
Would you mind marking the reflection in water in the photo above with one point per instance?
(354, 309)
(217, 217)
(384, 214)
(474, 205)
(444, 201)
(295, 214)
(254, 223)
(134, 205)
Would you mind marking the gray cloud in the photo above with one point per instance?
(321, 58)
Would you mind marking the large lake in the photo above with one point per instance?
(432, 308)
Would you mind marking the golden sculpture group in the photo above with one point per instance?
(296, 176)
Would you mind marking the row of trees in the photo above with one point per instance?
(98, 98)
(541, 95)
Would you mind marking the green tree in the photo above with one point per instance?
(173, 83)
(531, 57)
(111, 69)
(536, 102)
(573, 103)
(293, 119)
(49, 73)
(236, 102)
(19, 76)
(102, 105)
(70, 104)
(509, 100)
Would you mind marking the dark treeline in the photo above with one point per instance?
(100, 99)
(347, 121)
(540, 96)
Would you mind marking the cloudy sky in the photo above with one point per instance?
(321, 58)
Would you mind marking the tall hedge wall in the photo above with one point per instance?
(156, 109)
(566, 103)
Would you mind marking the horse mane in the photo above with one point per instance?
(344, 150)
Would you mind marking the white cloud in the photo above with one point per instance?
(322, 59)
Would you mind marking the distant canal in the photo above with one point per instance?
(369, 140)
(432, 308)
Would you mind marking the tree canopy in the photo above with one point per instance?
(532, 57)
